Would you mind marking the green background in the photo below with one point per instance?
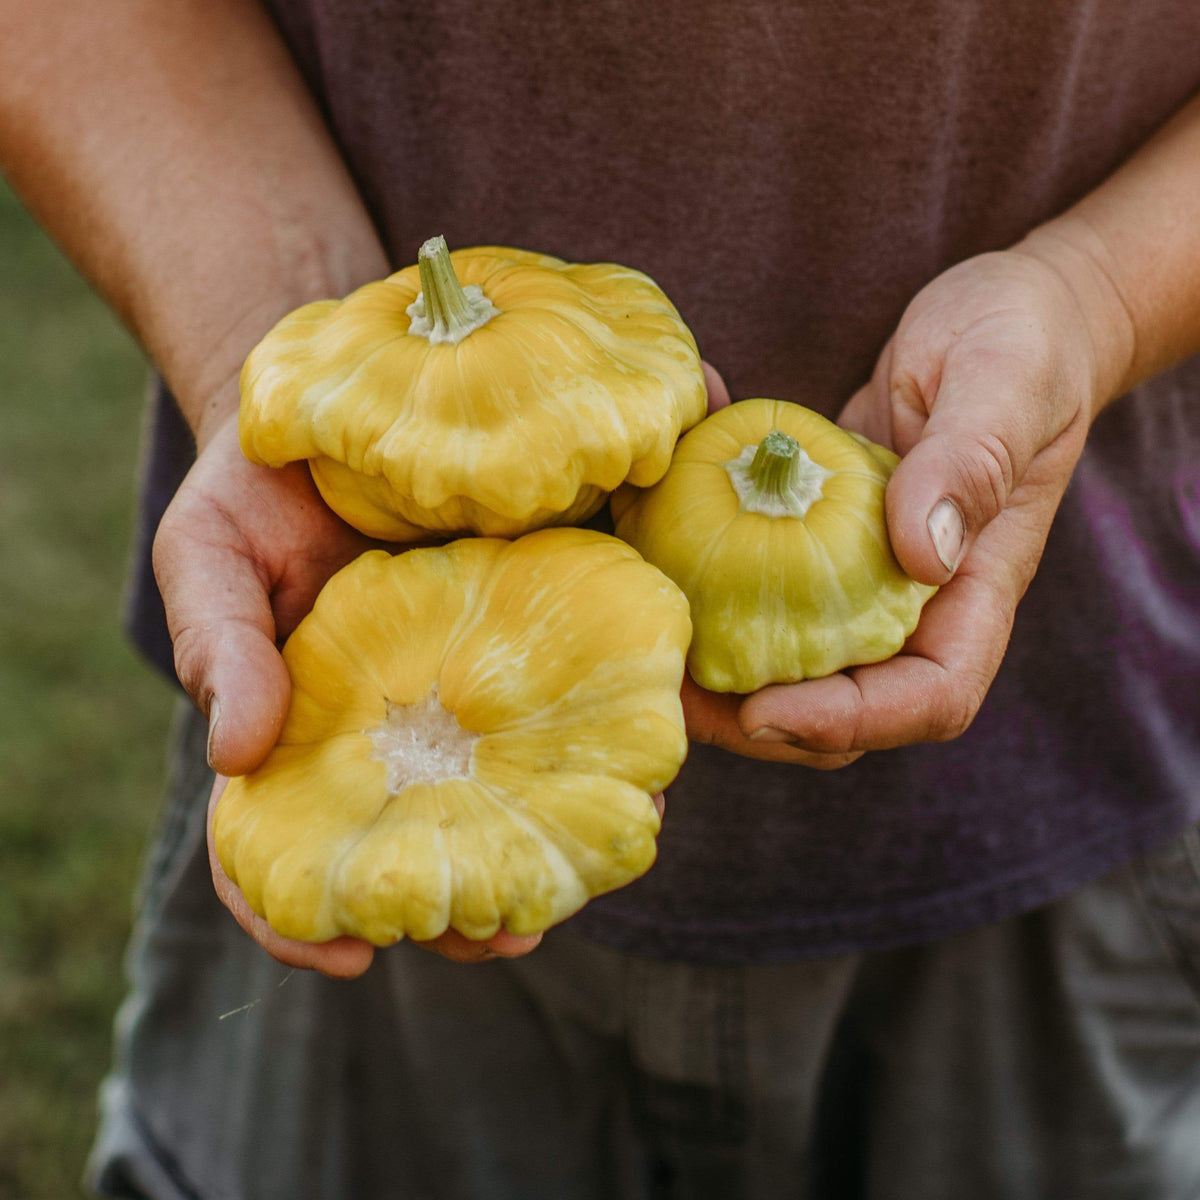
(82, 719)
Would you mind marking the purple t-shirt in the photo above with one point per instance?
(792, 175)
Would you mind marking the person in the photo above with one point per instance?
(965, 962)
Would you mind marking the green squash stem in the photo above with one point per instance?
(775, 467)
(776, 477)
(445, 311)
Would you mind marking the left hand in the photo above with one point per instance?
(987, 390)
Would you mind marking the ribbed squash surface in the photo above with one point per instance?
(583, 380)
(776, 598)
(474, 737)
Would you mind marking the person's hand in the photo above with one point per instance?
(987, 390)
(240, 556)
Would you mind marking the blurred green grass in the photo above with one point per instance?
(82, 720)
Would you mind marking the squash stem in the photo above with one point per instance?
(775, 467)
(776, 477)
(446, 303)
(445, 311)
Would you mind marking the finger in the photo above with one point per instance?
(217, 597)
(867, 411)
(983, 429)
(341, 958)
(718, 393)
(458, 948)
(713, 719)
(929, 692)
(223, 630)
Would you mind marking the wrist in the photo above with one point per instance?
(214, 415)
(1073, 251)
(205, 374)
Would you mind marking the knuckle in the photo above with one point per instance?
(992, 474)
(908, 409)
(1042, 349)
(958, 711)
(835, 735)
(165, 538)
(905, 393)
(832, 741)
(191, 664)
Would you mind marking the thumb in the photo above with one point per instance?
(971, 454)
(220, 619)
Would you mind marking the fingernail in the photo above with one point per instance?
(945, 526)
(214, 715)
(768, 734)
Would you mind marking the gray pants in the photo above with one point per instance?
(1053, 1055)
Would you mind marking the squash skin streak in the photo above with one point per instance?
(578, 720)
(779, 598)
(583, 380)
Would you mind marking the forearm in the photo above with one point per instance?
(174, 152)
(1130, 250)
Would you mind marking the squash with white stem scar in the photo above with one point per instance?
(771, 520)
(474, 737)
(490, 391)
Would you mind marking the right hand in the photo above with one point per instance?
(240, 556)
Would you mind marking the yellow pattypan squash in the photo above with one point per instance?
(491, 391)
(771, 519)
(475, 734)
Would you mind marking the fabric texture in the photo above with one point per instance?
(1053, 1054)
(792, 175)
